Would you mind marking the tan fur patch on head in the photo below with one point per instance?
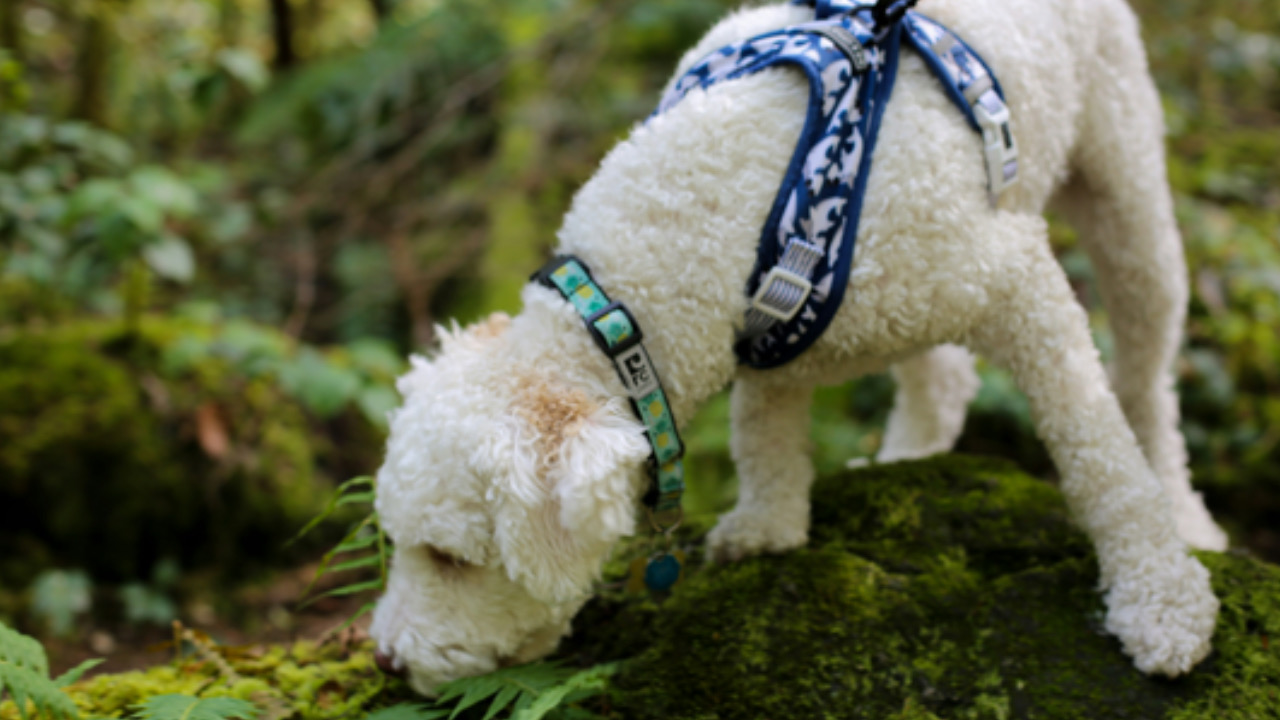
(553, 411)
(491, 327)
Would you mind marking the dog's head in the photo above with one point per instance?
(504, 487)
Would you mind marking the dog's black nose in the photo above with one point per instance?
(387, 664)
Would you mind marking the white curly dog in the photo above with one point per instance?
(516, 463)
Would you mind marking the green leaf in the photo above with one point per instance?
(364, 609)
(76, 672)
(365, 498)
(359, 543)
(95, 197)
(146, 604)
(322, 386)
(24, 675)
(245, 66)
(376, 403)
(165, 190)
(334, 500)
(522, 684)
(362, 562)
(171, 258)
(59, 596)
(185, 707)
(376, 356)
(504, 698)
(593, 680)
(352, 589)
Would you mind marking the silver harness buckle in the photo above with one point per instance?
(999, 147)
(785, 288)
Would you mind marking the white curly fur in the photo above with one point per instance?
(514, 464)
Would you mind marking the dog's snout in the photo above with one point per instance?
(387, 664)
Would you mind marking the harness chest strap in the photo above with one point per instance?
(616, 332)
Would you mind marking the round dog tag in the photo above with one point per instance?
(662, 572)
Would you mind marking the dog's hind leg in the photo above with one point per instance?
(770, 447)
(1159, 600)
(929, 407)
(1120, 205)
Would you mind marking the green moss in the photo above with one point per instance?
(950, 588)
(326, 683)
(102, 465)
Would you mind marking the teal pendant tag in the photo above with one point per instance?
(662, 572)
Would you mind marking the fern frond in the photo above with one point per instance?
(365, 542)
(24, 675)
(186, 707)
(341, 496)
(76, 672)
(530, 691)
(582, 685)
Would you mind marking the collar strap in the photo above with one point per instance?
(616, 332)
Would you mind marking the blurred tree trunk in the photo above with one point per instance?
(11, 28)
(92, 65)
(282, 30)
(381, 9)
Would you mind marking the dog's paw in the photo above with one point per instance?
(741, 535)
(1164, 612)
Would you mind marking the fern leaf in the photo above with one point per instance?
(24, 675)
(353, 541)
(185, 707)
(582, 685)
(364, 497)
(408, 711)
(22, 651)
(473, 693)
(365, 608)
(521, 684)
(504, 698)
(359, 542)
(76, 672)
(335, 500)
(351, 589)
(357, 563)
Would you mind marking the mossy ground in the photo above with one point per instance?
(952, 588)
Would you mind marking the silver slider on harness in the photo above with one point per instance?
(999, 147)
(786, 287)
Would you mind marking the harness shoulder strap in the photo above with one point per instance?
(974, 89)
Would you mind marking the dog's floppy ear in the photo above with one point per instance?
(567, 490)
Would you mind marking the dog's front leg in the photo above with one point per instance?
(770, 446)
(1159, 602)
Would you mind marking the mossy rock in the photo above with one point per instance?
(945, 589)
(949, 588)
(112, 457)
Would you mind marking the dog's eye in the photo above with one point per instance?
(444, 561)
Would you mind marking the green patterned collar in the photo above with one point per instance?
(618, 335)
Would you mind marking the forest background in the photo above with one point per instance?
(224, 224)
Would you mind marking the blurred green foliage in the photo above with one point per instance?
(183, 206)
